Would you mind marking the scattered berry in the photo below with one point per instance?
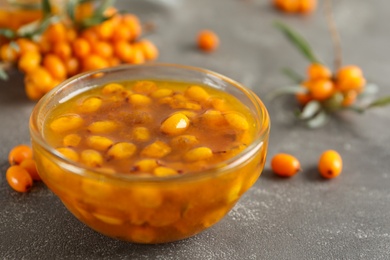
(330, 164)
(285, 165)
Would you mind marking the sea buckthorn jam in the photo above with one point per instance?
(150, 128)
(147, 161)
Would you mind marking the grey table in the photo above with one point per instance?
(304, 217)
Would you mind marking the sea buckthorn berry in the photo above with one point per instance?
(122, 150)
(108, 219)
(349, 98)
(141, 134)
(91, 158)
(112, 88)
(158, 149)
(330, 164)
(285, 165)
(31, 167)
(213, 118)
(137, 56)
(29, 61)
(307, 6)
(139, 100)
(207, 41)
(198, 154)
(303, 98)
(102, 127)
(90, 36)
(145, 87)
(321, 89)
(184, 141)
(121, 33)
(19, 179)
(113, 61)
(145, 165)
(123, 50)
(19, 153)
(161, 93)
(32, 91)
(350, 78)
(288, 6)
(26, 45)
(149, 50)
(146, 196)
(175, 124)
(196, 93)
(105, 30)
(318, 71)
(54, 66)
(62, 50)
(91, 104)
(164, 171)
(8, 54)
(41, 78)
(236, 120)
(72, 66)
(100, 143)
(71, 35)
(218, 104)
(81, 48)
(103, 49)
(94, 62)
(56, 33)
(71, 140)
(66, 123)
(133, 24)
(69, 153)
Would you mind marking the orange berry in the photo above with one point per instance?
(110, 11)
(148, 48)
(90, 36)
(303, 98)
(318, 71)
(32, 91)
(29, 61)
(72, 66)
(285, 165)
(71, 35)
(31, 167)
(103, 49)
(121, 33)
(307, 6)
(321, 89)
(19, 153)
(8, 54)
(288, 6)
(94, 62)
(349, 98)
(19, 179)
(41, 78)
(54, 66)
(63, 50)
(350, 78)
(330, 164)
(56, 33)
(208, 41)
(44, 45)
(123, 50)
(26, 46)
(105, 30)
(81, 48)
(133, 24)
(137, 56)
(113, 61)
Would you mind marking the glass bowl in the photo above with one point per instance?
(154, 209)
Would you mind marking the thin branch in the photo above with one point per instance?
(334, 34)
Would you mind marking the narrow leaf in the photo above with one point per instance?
(71, 9)
(356, 109)
(311, 109)
(285, 91)
(46, 8)
(299, 42)
(380, 102)
(7, 33)
(103, 7)
(319, 120)
(293, 75)
(3, 74)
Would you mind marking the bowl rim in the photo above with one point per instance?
(215, 170)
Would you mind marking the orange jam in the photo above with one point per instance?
(165, 134)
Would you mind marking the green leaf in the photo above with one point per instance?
(71, 9)
(381, 102)
(285, 91)
(299, 42)
(319, 120)
(7, 33)
(103, 7)
(293, 75)
(36, 28)
(3, 74)
(46, 8)
(310, 110)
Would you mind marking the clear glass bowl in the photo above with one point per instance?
(149, 210)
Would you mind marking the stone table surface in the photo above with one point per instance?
(305, 217)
